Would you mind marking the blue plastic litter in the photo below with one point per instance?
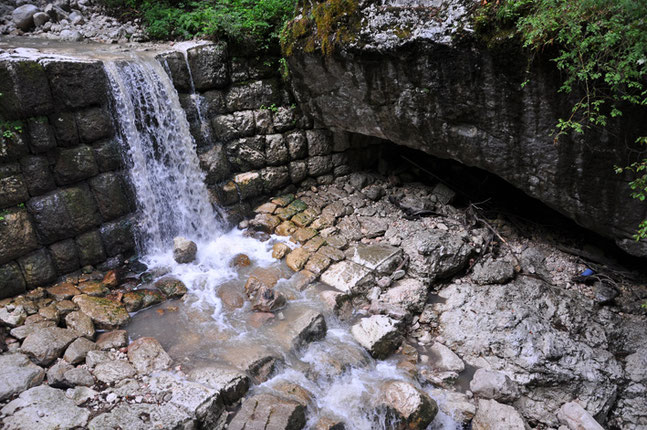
(587, 272)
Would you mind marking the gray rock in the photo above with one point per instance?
(203, 403)
(430, 110)
(444, 359)
(456, 405)
(105, 313)
(12, 280)
(17, 374)
(604, 294)
(80, 394)
(299, 328)
(276, 150)
(264, 411)
(79, 376)
(113, 371)
(378, 334)
(184, 250)
(37, 176)
(232, 384)
(17, 235)
(147, 355)
(208, 65)
(112, 339)
(437, 254)
(495, 385)
(56, 374)
(347, 277)
(71, 35)
(76, 352)
(493, 272)
(40, 18)
(23, 16)
(47, 344)
(44, 408)
(13, 317)
(493, 415)
(577, 418)
(143, 417)
(412, 407)
(545, 336)
(37, 268)
(81, 323)
(95, 357)
(410, 294)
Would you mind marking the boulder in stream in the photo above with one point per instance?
(184, 250)
(412, 408)
(378, 334)
(265, 411)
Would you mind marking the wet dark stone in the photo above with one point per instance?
(77, 84)
(12, 282)
(37, 268)
(118, 237)
(106, 154)
(25, 90)
(209, 66)
(94, 124)
(109, 194)
(51, 217)
(64, 125)
(175, 66)
(90, 248)
(65, 256)
(75, 164)
(81, 208)
(37, 174)
(12, 186)
(41, 135)
(14, 148)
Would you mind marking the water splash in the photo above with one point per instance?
(163, 165)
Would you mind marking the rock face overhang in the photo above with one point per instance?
(452, 98)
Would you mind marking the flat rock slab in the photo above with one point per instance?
(256, 360)
(378, 334)
(347, 277)
(411, 406)
(17, 374)
(47, 344)
(264, 411)
(376, 257)
(299, 328)
(43, 408)
(105, 313)
(199, 401)
(147, 355)
(491, 414)
(143, 417)
(114, 370)
(231, 383)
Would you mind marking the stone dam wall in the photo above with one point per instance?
(65, 201)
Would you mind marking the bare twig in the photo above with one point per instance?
(473, 209)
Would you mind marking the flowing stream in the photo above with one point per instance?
(173, 200)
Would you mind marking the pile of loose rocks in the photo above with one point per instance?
(499, 329)
(68, 20)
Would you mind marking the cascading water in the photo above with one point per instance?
(163, 165)
(173, 200)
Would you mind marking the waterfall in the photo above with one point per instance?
(160, 153)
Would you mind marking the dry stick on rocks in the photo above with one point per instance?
(473, 212)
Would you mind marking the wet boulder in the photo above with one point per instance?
(184, 250)
(23, 16)
(411, 408)
(171, 287)
(378, 334)
(299, 328)
(231, 383)
(47, 344)
(105, 313)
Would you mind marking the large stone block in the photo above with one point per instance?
(14, 148)
(118, 236)
(65, 130)
(77, 84)
(12, 186)
(94, 124)
(297, 144)
(253, 95)
(238, 124)
(298, 171)
(175, 65)
(12, 282)
(214, 162)
(319, 142)
(51, 217)
(275, 178)
(90, 248)
(106, 154)
(37, 268)
(37, 174)
(109, 193)
(81, 208)
(17, 235)
(65, 256)
(276, 150)
(75, 164)
(213, 103)
(247, 153)
(41, 135)
(319, 165)
(208, 65)
(25, 90)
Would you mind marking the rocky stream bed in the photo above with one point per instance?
(334, 307)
